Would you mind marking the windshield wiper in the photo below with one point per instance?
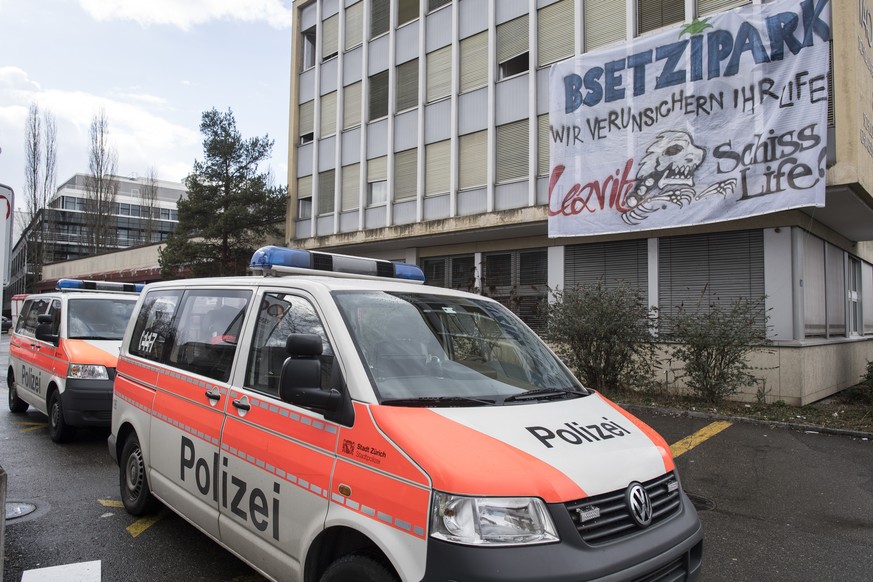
(438, 401)
(544, 394)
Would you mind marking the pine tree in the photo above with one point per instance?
(231, 208)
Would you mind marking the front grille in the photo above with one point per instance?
(670, 572)
(614, 521)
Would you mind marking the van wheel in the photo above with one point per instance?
(16, 404)
(135, 492)
(358, 569)
(59, 430)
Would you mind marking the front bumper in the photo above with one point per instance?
(670, 551)
(87, 402)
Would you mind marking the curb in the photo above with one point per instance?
(759, 422)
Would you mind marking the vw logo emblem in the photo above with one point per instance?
(639, 505)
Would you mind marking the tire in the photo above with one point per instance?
(358, 569)
(135, 492)
(16, 404)
(59, 430)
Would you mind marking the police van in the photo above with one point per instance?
(335, 420)
(63, 350)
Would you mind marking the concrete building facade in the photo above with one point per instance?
(419, 132)
(140, 216)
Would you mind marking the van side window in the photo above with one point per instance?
(152, 334)
(55, 312)
(29, 316)
(280, 315)
(207, 329)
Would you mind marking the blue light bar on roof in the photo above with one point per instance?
(278, 260)
(82, 285)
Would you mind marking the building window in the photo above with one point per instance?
(609, 263)
(351, 180)
(437, 175)
(512, 151)
(543, 145)
(856, 325)
(304, 197)
(407, 11)
(378, 100)
(326, 190)
(405, 174)
(474, 62)
(407, 85)
(513, 56)
(655, 14)
(330, 37)
(439, 74)
(555, 32)
(380, 17)
(707, 7)
(700, 271)
(605, 23)
(473, 160)
(328, 114)
(309, 38)
(352, 105)
(453, 272)
(377, 193)
(354, 25)
(518, 280)
(306, 122)
(434, 4)
(377, 181)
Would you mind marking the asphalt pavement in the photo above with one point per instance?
(776, 504)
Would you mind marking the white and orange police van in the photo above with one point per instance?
(342, 422)
(63, 350)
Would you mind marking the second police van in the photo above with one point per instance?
(63, 349)
(342, 422)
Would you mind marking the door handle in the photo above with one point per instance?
(213, 394)
(243, 404)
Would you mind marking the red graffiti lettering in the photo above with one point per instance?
(591, 196)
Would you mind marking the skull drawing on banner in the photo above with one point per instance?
(666, 174)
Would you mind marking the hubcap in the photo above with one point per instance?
(134, 473)
(56, 413)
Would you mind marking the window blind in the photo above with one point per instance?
(351, 177)
(307, 116)
(329, 37)
(605, 23)
(439, 73)
(555, 32)
(407, 11)
(474, 62)
(473, 160)
(354, 25)
(512, 39)
(352, 105)
(405, 167)
(437, 160)
(610, 263)
(543, 145)
(512, 151)
(378, 100)
(328, 114)
(407, 85)
(380, 12)
(326, 190)
(377, 169)
(706, 7)
(653, 14)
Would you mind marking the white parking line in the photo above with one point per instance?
(81, 572)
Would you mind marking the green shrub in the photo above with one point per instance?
(604, 334)
(714, 345)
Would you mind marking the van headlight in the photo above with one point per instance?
(491, 520)
(87, 372)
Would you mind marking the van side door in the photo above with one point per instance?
(31, 379)
(278, 457)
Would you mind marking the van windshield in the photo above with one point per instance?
(436, 350)
(98, 319)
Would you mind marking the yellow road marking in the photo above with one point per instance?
(31, 426)
(692, 441)
(110, 503)
(143, 524)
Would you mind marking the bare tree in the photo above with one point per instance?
(101, 185)
(149, 196)
(40, 144)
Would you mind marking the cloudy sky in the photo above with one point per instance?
(154, 66)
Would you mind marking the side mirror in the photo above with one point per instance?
(300, 380)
